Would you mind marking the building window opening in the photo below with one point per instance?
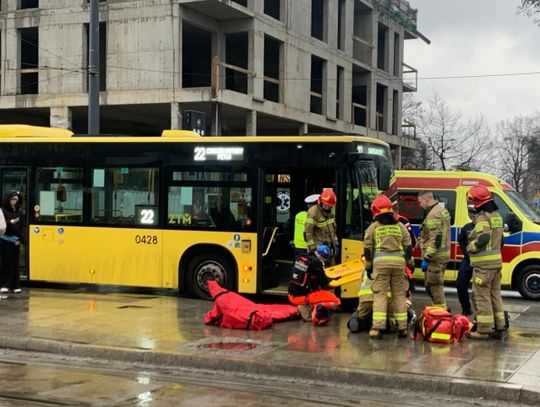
(196, 56)
(397, 54)
(272, 8)
(236, 55)
(341, 25)
(317, 19)
(102, 54)
(359, 96)
(29, 4)
(340, 72)
(29, 43)
(382, 48)
(272, 67)
(317, 85)
(381, 105)
(241, 2)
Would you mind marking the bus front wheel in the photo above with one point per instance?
(203, 268)
(528, 282)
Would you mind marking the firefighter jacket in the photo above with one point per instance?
(320, 227)
(387, 246)
(485, 241)
(435, 234)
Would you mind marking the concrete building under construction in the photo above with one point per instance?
(230, 67)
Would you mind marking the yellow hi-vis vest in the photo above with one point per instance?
(299, 222)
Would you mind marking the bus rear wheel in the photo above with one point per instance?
(204, 267)
(528, 282)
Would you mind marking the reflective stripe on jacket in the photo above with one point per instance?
(435, 234)
(320, 227)
(488, 226)
(387, 243)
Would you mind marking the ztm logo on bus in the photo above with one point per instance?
(284, 202)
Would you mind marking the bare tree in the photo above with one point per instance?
(451, 140)
(531, 8)
(515, 141)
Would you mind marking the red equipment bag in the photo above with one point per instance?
(231, 310)
(438, 325)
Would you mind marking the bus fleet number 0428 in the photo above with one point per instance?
(146, 239)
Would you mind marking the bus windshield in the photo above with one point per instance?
(529, 212)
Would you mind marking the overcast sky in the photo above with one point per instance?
(476, 37)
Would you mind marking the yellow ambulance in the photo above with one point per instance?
(521, 250)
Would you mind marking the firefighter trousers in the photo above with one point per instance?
(487, 294)
(435, 284)
(398, 283)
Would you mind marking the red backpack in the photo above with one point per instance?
(436, 324)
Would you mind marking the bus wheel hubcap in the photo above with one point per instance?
(532, 282)
(210, 271)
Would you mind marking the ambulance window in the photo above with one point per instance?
(410, 208)
(512, 222)
(503, 210)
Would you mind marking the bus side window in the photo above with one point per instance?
(512, 223)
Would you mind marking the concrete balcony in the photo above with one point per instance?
(221, 10)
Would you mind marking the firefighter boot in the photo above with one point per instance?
(478, 335)
(402, 333)
(305, 312)
(375, 333)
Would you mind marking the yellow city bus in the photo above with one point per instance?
(174, 210)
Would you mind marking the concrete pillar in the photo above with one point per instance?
(349, 26)
(215, 120)
(331, 23)
(177, 114)
(331, 89)
(61, 116)
(347, 94)
(257, 6)
(11, 79)
(256, 62)
(177, 45)
(399, 154)
(251, 123)
(9, 5)
(303, 129)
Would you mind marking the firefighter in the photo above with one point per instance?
(387, 249)
(434, 242)
(300, 244)
(485, 242)
(308, 287)
(320, 227)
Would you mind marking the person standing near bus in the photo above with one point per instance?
(387, 250)
(485, 243)
(10, 243)
(300, 244)
(465, 270)
(320, 227)
(435, 245)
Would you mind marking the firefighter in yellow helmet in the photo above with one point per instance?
(387, 249)
(485, 243)
(320, 226)
(434, 242)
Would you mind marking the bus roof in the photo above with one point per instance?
(39, 134)
(446, 179)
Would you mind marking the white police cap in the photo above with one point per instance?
(311, 199)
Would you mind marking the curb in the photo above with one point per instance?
(420, 383)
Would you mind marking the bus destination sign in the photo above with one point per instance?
(218, 153)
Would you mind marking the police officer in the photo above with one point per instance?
(465, 270)
(300, 244)
(435, 245)
(484, 247)
(320, 227)
(387, 249)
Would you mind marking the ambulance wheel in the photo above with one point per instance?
(204, 267)
(528, 282)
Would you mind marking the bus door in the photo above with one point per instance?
(16, 179)
(275, 198)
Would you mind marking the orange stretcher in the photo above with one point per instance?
(345, 273)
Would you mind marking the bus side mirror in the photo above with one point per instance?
(384, 174)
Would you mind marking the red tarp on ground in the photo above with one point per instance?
(231, 310)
